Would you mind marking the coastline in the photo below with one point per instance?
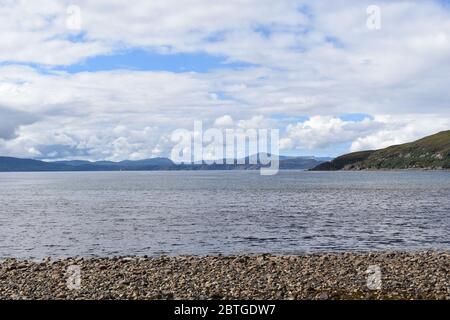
(385, 170)
(237, 170)
(404, 275)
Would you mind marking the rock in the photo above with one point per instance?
(418, 275)
(323, 296)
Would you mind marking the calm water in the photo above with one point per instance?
(150, 213)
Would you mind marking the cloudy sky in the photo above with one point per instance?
(108, 80)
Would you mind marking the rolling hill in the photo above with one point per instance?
(8, 164)
(16, 164)
(432, 152)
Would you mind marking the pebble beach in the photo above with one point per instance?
(402, 275)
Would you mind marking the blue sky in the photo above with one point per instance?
(146, 60)
(105, 80)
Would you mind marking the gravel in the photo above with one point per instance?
(403, 275)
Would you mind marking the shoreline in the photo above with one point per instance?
(237, 170)
(402, 275)
(385, 170)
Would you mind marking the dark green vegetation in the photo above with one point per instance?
(432, 152)
(8, 164)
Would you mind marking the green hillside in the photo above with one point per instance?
(432, 152)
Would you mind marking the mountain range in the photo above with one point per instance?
(9, 164)
(432, 152)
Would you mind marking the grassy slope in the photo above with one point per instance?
(432, 152)
(343, 161)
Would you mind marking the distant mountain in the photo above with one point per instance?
(122, 165)
(286, 163)
(15, 164)
(154, 164)
(300, 163)
(163, 162)
(74, 163)
(431, 152)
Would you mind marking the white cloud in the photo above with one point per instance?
(398, 130)
(324, 131)
(321, 61)
(36, 32)
(225, 121)
(320, 132)
(256, 122)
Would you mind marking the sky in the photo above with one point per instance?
(111, 80)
